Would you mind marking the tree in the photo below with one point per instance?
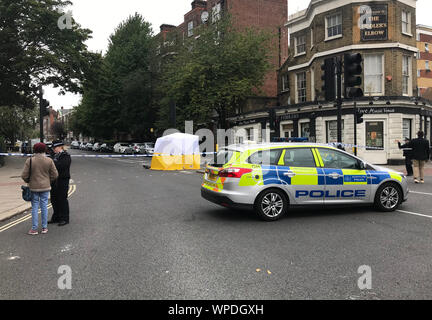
(35, 51)
(118, 96)
(58, 130)
(17, 123)
(214, 72)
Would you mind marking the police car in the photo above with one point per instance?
(270, 178)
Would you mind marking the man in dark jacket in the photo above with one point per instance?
(407, 152)
(420, 155)
(60, 188)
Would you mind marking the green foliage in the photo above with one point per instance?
(117, 95)
(17, 123)
(35, 51)
(214, 72)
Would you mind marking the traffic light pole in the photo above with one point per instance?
(41, 135)
(355, 128)
(339, 99)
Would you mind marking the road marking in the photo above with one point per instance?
(424, 193)
(72, 190)
(415, 214)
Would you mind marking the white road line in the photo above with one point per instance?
(425, 193)
(415, 214)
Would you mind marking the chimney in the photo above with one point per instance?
(166, 27)
(199, 4)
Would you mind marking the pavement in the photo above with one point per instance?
(143, 234)
(11, 202)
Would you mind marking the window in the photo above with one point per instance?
(418, 73)
(301, 87)
(406, 72)
(375, 134)
(266, 157)
(406, 128)
(312, 38)
(288, 130)
(373, 74)
(312, 84)
(337, 160)
(249, 134)
(300, 45)
(406, 22)
(333, 26)
(301, 157)
(190, 28)
(427, 65)
(285, 82)
(216, 12)
(426, 47)
(304, 130)
(225, 155)
(331, 130)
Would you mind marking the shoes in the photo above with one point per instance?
(52, 221)
(33, 232)
(416, 180)
(63, 223)
(44, 230)
(422, 181)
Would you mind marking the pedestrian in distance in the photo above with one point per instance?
(420, 155)
(407, 152)
(39, 172)
(60, 188)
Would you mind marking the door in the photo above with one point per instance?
(303, 181)
(345, 181)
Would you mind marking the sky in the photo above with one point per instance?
(103, 16)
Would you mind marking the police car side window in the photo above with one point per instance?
(301, 157)
(266, 157)
(337, 160)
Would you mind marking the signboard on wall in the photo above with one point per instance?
(373, 22)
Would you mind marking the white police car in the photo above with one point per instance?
(271, 177)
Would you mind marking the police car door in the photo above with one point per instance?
(301, 178)
(345, 181)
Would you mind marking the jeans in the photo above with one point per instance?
(39, 199)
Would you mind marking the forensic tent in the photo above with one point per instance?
(178, 151)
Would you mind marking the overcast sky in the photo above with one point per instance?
(103, 16)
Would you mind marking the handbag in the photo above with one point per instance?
(26, 192)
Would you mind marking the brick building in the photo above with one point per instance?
(424, 61)
(270, 15)
(387, 42)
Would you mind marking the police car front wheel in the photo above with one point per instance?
(388, 197)
(271, 205)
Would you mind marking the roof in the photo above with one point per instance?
(244, 147)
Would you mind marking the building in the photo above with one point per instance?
(424, 61)
(269, 15)
(48, 122)
(384, 32)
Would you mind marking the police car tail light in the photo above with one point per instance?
(233, 172)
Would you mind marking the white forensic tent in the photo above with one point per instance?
(177, 151)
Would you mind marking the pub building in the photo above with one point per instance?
(384, 33)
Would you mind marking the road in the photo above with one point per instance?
(142, 234)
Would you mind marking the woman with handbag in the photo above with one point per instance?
(39, 171)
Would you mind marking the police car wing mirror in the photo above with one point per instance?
(362, 165)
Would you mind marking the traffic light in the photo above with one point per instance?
(359, 117)
(44, 107)
(328, 78)
(352, 75)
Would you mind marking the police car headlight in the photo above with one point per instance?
(402, 175)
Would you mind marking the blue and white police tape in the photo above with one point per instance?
(100, 155)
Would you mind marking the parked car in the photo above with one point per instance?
(89, 146)
(75, 145)
(96, 146)
(123, 147)
(149, 148)
(107, 147)
(138, 147)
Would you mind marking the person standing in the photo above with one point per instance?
(407, 152)
(60, 188)
(39, 172)
(420, 155)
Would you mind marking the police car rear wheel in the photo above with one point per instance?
(271, 205)
(388, 197)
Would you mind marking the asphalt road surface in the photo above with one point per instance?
(142, 234)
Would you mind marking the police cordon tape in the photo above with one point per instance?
(335, 144)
